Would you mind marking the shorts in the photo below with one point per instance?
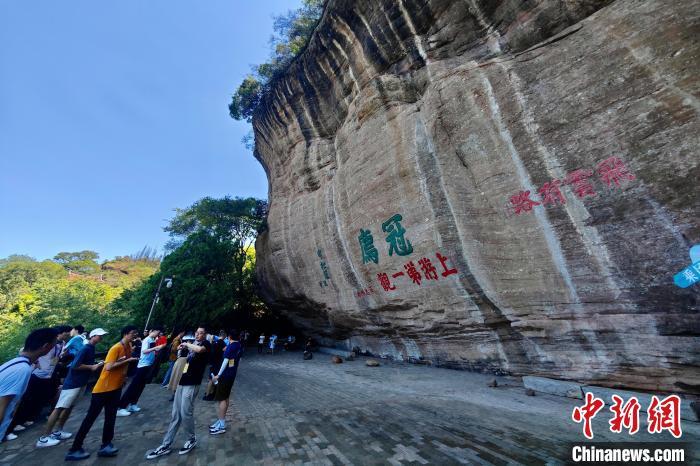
(223, 389)
(68, 397)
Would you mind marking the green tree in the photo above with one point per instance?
(53, 301)
(38, 294)
(16, 258)
(84, 262)
(246, 99)
(236, 220)
(18, 276)
(211, 261)
(203, 272)
(291, 35)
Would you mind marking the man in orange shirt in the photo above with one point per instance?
(106, 394)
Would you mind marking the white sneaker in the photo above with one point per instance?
(19, 428)
(189, 445)
(45, 441)
(160, 451)
(133, 408)
(123, 413)
(61, 435)
(10, 436)
(218, 430)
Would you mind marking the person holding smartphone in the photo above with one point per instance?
(106, 395)
(79, 372)
(185, 395)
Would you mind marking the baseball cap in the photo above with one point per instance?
(98, 331)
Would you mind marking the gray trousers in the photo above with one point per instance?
(183, 412)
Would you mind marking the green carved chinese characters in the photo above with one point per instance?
(324, 268)
(397, 242)
(369, 252)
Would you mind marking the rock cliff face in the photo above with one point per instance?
(495, 185)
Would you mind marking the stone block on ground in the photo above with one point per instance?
(553, 387)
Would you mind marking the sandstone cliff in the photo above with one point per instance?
(495, 185)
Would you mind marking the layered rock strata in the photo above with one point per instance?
(494, 185)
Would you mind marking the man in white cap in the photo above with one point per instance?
(78, 376)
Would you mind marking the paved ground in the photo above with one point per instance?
(289, 411)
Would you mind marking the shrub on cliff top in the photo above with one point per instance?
(291, 34)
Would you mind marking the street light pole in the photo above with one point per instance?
(168, 284)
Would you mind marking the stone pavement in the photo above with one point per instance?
(289, 411)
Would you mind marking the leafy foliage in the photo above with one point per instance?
(202, 269)
(81, 262)
(38, 294)
(235, 219)
(212, 263)
(212, 266)
(246, 99)
(291, 35)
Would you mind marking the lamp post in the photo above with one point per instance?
(156, 298)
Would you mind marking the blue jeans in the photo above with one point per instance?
(166, 379)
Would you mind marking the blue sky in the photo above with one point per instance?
(112, 114)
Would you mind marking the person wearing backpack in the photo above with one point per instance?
(43, 383)
(15, 373)
(81, 368)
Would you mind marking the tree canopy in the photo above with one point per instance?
(38, 294)
(80, 262)
(291, 35)
(236, 219)
(211, 262)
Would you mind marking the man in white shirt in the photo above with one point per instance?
(42, 385)
(130, 398)
(15, 374)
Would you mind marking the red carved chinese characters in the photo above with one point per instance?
(551, 194)
(413, 274)
(665, 415)
(443, 262)
(365, 292)
(613, 170)
(429, 272)
(626, 415)
(522, 202)
(384, 281)
(587, 412)
(579, 181)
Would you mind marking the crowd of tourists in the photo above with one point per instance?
(56, 364)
